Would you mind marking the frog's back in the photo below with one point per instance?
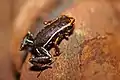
(45, 34)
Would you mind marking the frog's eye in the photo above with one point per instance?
(64, 16)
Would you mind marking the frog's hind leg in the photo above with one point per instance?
(46, 52)
(40, 60)
(27, 42)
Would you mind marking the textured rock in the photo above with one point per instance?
(92, 51)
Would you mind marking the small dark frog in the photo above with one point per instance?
(53, 33)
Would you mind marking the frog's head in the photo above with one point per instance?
(27, 42)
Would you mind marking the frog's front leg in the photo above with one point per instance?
(57, 50)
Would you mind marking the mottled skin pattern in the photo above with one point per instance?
(53, 33)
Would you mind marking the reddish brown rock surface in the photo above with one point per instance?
(92, 52)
